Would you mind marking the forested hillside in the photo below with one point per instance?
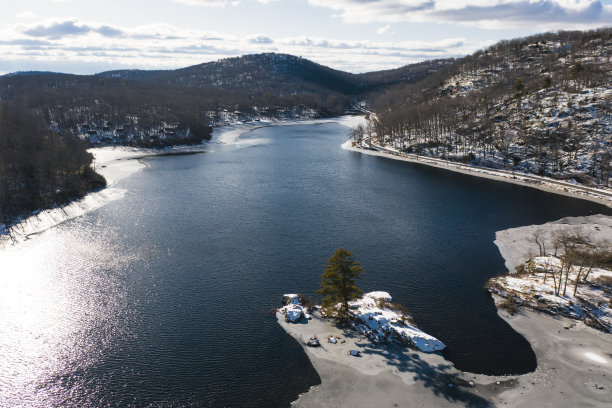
(100, 110)
(39, 168)
(160, 108)
(48, 119)
(541, 104)
(272, 73)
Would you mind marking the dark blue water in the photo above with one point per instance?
(179, 275)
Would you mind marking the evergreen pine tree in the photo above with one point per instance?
(338, 283)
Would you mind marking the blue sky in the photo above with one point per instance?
(84, 36)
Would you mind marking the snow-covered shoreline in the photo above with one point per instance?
(574, 365)
(375, 317)
(537, 284)
(113, 163)
(542, 183)
(574, 369)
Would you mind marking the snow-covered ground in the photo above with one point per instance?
(535, 288)
(375, 317)
(230, 134)
(534, 285)
(380, 320)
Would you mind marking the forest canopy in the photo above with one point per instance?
(39, 168)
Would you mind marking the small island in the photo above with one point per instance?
(374, 317)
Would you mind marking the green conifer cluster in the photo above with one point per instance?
(338, 283)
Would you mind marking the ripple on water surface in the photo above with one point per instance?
(161, 298)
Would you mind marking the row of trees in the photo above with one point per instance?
(578, 253)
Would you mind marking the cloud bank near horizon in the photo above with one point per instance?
(457, 28)
(488, 14)
(166, 46)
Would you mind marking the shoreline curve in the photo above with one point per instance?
(547, 184)
(567, 374)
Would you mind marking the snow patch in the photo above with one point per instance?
(595, 357)
(43, 220)
(536, 289)
(292, 309)
(382, 322)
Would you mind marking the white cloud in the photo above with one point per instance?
(210, 3)
(161, 45)
(70, 28)
(499, 14)
(258, 39)
(384, 30)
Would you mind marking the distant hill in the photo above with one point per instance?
(132, 74)
(27, 73)
(408, 74)
(271, 72)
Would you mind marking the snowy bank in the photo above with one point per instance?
(598, 195)
(589, 300)
(114, 163)
(380, 320)
(231, 134)
(573, 286)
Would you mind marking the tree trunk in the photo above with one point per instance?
(587, 274)
(569, 266)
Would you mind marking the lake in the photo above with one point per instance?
(161, 298)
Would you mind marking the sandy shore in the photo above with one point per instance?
(574, 370)
(574, 361)
(542, 183)
(516, 244)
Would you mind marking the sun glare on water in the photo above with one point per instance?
(58, 299)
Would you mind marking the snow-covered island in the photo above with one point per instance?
(374, 316)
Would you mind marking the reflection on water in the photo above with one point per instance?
(61, 306)
(161, 298)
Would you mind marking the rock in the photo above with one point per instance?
(291, 299)
(293, 313)
(313, 342)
